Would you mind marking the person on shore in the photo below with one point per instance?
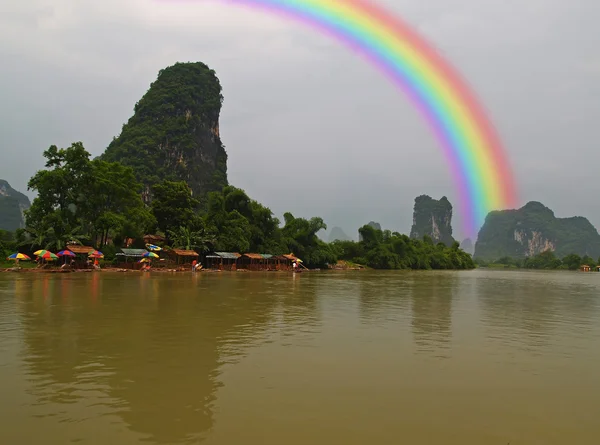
(295, 266)
(194, 265)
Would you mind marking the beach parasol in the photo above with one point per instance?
(46, 255)
(153, 247)
(150, 255)
(38, 252)
(65, 253)
(18, 256)
(96, 254)
(144, 260)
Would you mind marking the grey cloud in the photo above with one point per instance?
(297, 102)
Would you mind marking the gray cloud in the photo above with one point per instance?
(299, 105)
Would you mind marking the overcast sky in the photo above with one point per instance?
(308, 126)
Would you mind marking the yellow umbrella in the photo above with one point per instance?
(37, 252)
(18, 256)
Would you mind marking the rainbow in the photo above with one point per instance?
(478, 162)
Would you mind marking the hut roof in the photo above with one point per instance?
(134, 253)
(228, 255)
(80, 250)
(289, 257)
(254, 256)
(153, 238)
(182, 252)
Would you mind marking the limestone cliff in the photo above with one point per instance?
(533, 229)
(174, 131)
(434, 218)
(12, 206)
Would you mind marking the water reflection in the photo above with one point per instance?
(531, 310)
(384, 300)
(150, 350)
(432, 296)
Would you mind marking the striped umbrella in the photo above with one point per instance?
(150, 255)
(18, 256)
(153, 247)
(65, 253)
(47, 255)
(96, 254)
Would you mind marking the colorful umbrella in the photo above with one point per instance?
(144, 260)
(38, 252)
(47, 255)
(150, 255)
(96, 254)
(65, 253)
(153, 247)
(18, 256)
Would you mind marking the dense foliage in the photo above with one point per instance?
(83, 200)
(100, 202)
(173, 134)
(546, 260)
(509, 233)
(391, 250)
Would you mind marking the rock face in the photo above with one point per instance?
(373, 224)
(534, 229)
(337, 234)
(434, 218)
(467, 246)
(12, 206)
(174, 131)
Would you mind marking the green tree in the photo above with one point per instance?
(114, 204)
(173, 205)
(186, 238)
(61, 190)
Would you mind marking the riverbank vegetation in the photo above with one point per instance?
(546, 260)
(101, 203)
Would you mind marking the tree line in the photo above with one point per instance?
(546, 260)
(85, 200)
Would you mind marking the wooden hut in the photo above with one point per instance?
(154, 239)
(81, 255)
(182, 256)
(129, 258)
(282, 262)
(255, 261)
(585, 268)
(222, 260)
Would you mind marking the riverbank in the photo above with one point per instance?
(158, 270)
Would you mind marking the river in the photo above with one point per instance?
(451, 358)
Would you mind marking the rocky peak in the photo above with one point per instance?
(434, 218)
(174, 131)
(12, 207)
(534, 229)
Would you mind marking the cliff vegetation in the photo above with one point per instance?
(534, 229)
(433, 218)
(174, 132)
